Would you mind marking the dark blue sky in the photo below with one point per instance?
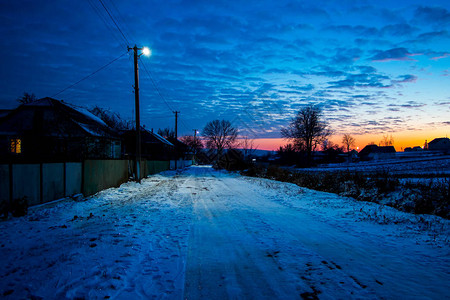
(375, 67)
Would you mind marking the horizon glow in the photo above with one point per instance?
(375, 67)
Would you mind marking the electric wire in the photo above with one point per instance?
(122, 22)
(149, 74)
(143, 64)
(115, 23)
(97, 10)
(86, 77)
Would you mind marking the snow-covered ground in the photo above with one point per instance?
(205, 234)
(417, 166)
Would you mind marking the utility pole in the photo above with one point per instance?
(195, 143)
(137, 161)
(176, 123)
(176, 139)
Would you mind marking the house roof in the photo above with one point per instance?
(376, 149)
(148, 137)
(438, 140)
(51, 117)
(4, 112)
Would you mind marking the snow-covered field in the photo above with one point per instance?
(418, 166)
(205, 234)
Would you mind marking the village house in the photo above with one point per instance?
(440, 144)
(49, 129)
(374, 152)
(153, 146)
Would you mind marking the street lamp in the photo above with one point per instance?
(137, 161)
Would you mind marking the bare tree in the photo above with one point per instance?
(326, 144)
(348, 141)
(248, 147)
(27, 98)
(220, 135)
(112, 119)
(167, 133)
(307, 129)
(194, 144)
(387, 141)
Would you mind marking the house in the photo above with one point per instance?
(4, 113)
(153, 146)
(182, 151)
(440, 144)
(374, 152)
(49, 129)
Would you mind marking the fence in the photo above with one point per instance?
(45, 182)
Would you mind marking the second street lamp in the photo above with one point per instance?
(137, 161)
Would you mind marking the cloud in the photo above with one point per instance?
(433, 15)
(398, 30)
(408, 104)
(346, 56)
(440, 56)
(366, 69)
(362, 80)
(395, 54)
(405, 78)
(428, 36)
(358, 30)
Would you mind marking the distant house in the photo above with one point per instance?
(439, 144)
(182, 150)
(413, 149)
(49, 129)
(374, 152)
(353, 156)
(153, 146)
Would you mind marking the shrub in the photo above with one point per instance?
(3, 209)
(19, 207)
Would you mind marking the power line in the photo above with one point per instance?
(86, 77)
(121, 19)
(115, 23)
(149, 74)
(104, 20)
(155, 86)
(145, 67)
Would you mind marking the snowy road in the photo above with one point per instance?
(204, 234)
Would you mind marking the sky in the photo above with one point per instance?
(375, 68)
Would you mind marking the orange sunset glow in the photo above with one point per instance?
(401, 140)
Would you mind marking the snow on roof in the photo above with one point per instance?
(85, 112)
(162, 139)
(47, 101)
(89, 129)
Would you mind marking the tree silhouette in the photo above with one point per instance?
(387, 141)
(348, 141)
(220, 135)
(167, 133)
(27, 98)
(112, 119)
(307, 129)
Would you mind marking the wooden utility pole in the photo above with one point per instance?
(137, 160)
(176, 138)
(195, 143)
(176, 123)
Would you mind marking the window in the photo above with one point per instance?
(16, 146)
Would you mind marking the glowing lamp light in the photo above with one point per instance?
(146, 51)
